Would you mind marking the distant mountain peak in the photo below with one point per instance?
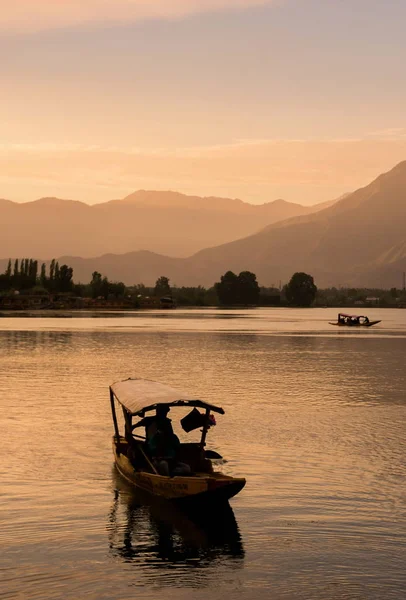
(173, 198)
(145, 195)
(280, 201)
(49, 200)
(53, 202)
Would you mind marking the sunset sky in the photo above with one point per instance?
(299, 99)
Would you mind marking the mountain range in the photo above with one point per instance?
(166, 222)
(360, 240)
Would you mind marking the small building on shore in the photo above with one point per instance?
(17, 301)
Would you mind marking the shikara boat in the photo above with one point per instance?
(135, 459)
(353, 321)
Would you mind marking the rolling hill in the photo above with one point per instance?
(358, 241)
(165, 222)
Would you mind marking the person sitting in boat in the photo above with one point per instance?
(159, 421)
(163, 448)
(366, 320)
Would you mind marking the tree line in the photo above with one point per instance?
(25, 276)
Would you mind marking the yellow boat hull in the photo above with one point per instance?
(214, 486)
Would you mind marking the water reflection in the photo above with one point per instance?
(314, 419)
(23, 340)
(164, 539)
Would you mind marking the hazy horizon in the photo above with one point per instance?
(323, 171)
(159, 192)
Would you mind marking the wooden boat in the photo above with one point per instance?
(345, 320)
(135, 460)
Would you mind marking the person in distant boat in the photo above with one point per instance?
(157, 422)
(341, 319)
(366, 320)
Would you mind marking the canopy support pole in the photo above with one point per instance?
(205, 429)
(113, 412)
(128, 426)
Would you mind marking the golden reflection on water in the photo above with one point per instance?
(315, 420)
(166, 540)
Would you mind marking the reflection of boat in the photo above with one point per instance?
(353, 321)
(153, 471)
(157, 533)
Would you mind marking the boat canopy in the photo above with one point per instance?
(139, 396)
(351, 316)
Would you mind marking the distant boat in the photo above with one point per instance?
(167, 302)
(353, 321)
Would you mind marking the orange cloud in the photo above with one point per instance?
(30, 15)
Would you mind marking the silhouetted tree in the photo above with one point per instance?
(301, 290)
(64, 280)
(105, 287)
(32, 272)
(43, 276)
(5, 278)
(248, 288)
(194, 296)
(52, 269)
(96, 284)
(237, 289)
(16, 270)
(227, 288)
(116, 289)
(162, 287)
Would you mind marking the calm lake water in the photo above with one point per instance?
(315, 420)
